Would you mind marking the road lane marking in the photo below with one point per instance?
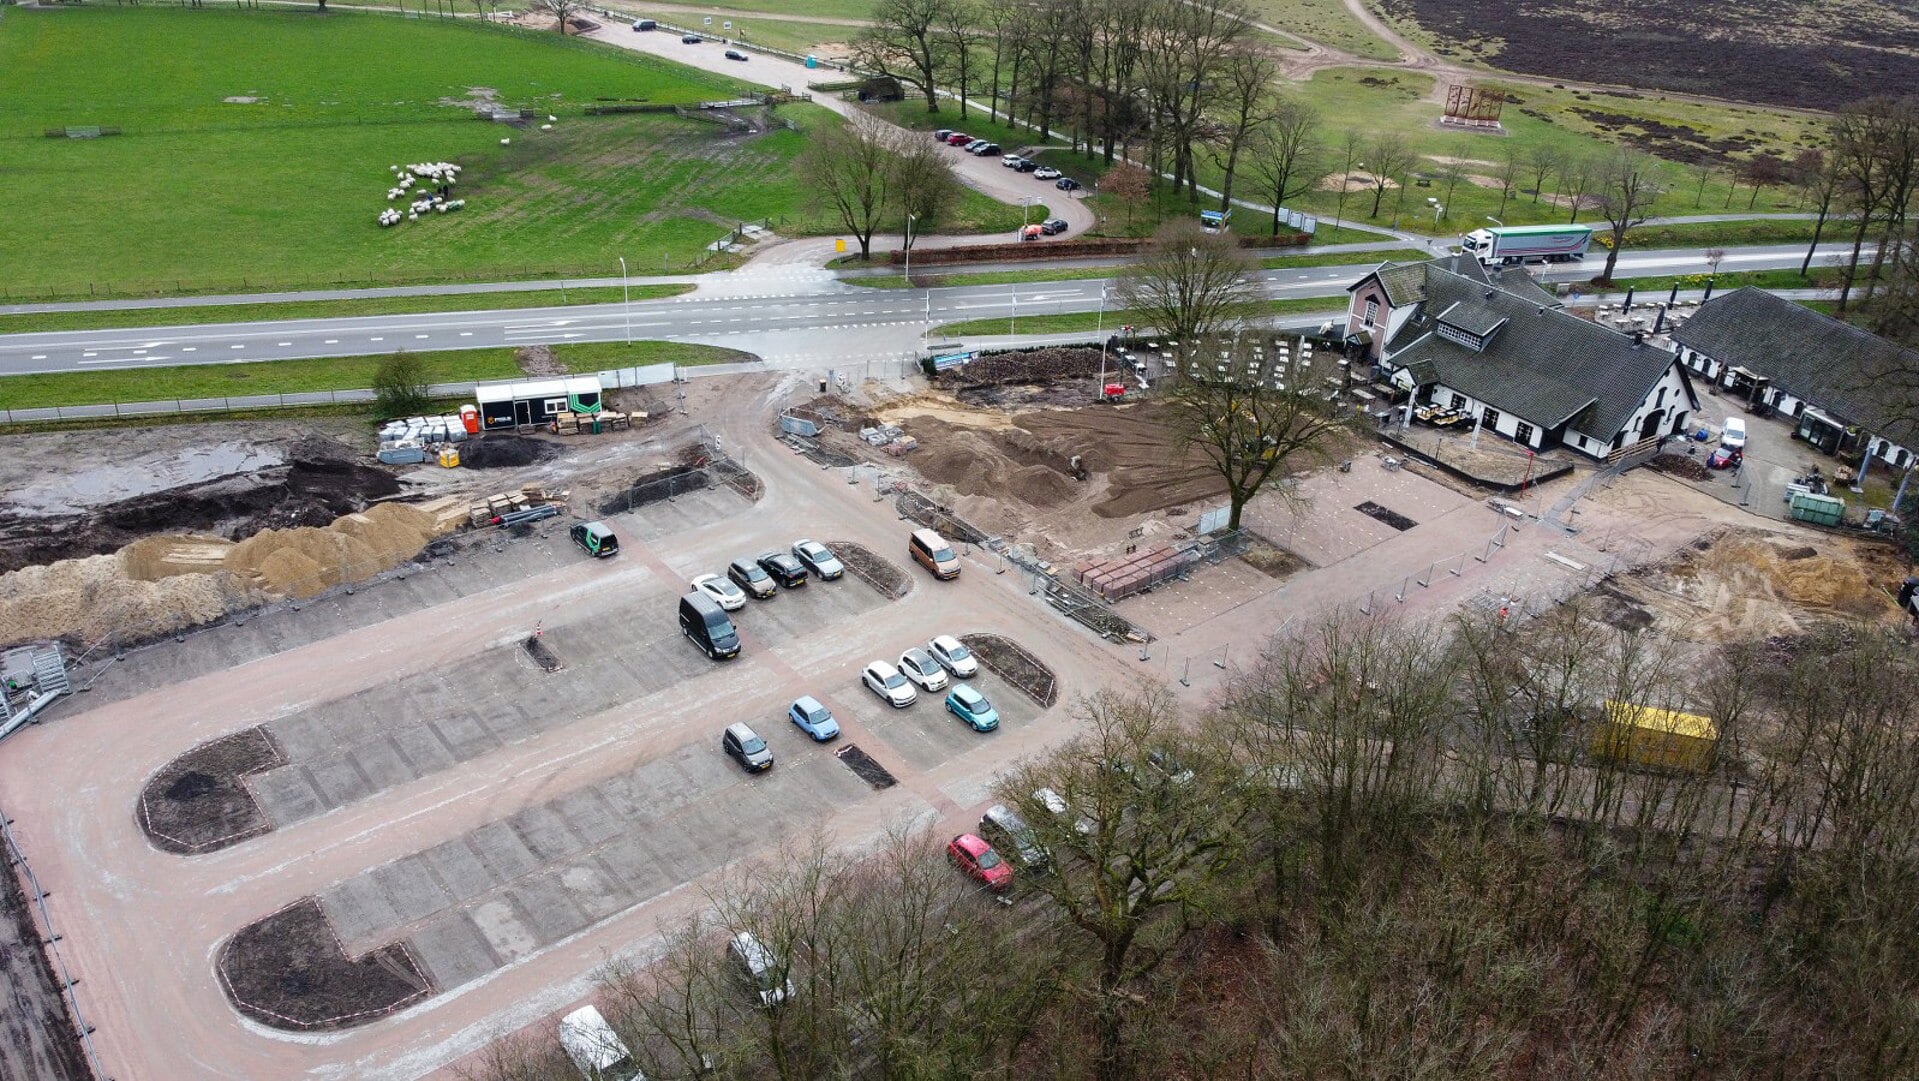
(282, 345)
(331, 341)
(38, 356)
(238, 347)
(189, 349)
(89, 354)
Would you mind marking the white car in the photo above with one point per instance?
(1056, 804)
(1011, 160)
(1045, 172)
(886, 681)
(727, 595)
(953, 656)
(1733, 434)
(920, 667)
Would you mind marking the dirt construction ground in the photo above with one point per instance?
(362, 834)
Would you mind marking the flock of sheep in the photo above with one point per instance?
(440, 174)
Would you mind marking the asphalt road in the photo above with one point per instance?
(793, 321)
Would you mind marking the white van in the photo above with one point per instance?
(761, 967)
(596, 1049)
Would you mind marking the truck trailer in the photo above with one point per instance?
(1506, 245)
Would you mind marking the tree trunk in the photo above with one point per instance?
(1236, 500)
(1852, 264)
(1612, 252)
(1818, 227)
(1226, 185)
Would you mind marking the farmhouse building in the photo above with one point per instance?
(1500, 349)
(1848, 390)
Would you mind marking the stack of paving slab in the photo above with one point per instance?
(1128, 574)
(408, 442)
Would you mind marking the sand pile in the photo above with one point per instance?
(158, 585)
(91, 598)
(1004, 464)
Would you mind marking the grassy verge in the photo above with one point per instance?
(1074, 322)
(1012, 277)
(1345, 258)
(331, 373)
(1706, 234)
(912, 114)
(322, 309)
(1764, 279)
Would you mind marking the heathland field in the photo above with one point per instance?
(255, 149)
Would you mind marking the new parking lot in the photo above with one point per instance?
(441, 838)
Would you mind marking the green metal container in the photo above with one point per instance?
(1818, 509)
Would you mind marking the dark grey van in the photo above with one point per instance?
(706, 623)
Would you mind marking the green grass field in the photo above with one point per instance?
(1723, 233)
(1073, 322)
(1325, 21)
(202, 193)
(323, 309)
(333, 373)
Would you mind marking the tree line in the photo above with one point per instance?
(1388, 851)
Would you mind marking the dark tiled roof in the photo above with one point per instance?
(1404, 282)
(1473, 317)
(1813, 357)
(1543, 365)
(1516, 280)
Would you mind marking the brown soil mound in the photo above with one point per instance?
(150, 559)
(1005, 464)
(289, 971)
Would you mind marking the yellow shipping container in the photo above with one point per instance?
(1658, 738)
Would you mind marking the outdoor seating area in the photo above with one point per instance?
(1442, 418)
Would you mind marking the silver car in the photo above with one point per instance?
(954, 656)
(819, 559)
(920, 667)
(886, 681)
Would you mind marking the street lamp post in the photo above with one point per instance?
(909, 250)
(1099, 331)
(626, 301)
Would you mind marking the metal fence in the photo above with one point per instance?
(50, 938)
(611, 379)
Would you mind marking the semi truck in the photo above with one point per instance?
(1505, 245)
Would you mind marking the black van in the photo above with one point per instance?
(705, 622)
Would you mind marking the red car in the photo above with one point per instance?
(958, 138)
(974, 856)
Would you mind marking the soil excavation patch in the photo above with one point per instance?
(290, 971)
(507, 451)
(665, 482)
(865, 766)
(1384, 514)
(200, 802)
(542, 654)
(1679, 465)
(1012, 663)
(319, 484)
(884, 575)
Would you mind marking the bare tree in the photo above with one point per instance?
(959, 23)
(999, 19)
(1349, 152)
(922, 181)
(1188, 282)
(1541, 162)
(1629, 184)
(1252, 416)
(1129, 185)
(848, 169)
(1576, 181)
(1391, 160)
(1159, 840)
(907, 41)
(1286, 155)
(1183, 49)
(1703, 171)
(1815, 174)
(1509, 164)
(1246, 106)
(561, 10)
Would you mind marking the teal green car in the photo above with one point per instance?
(972, 707)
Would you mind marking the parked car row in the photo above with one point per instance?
(928, 669)
(703, 611)
(984, 147)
